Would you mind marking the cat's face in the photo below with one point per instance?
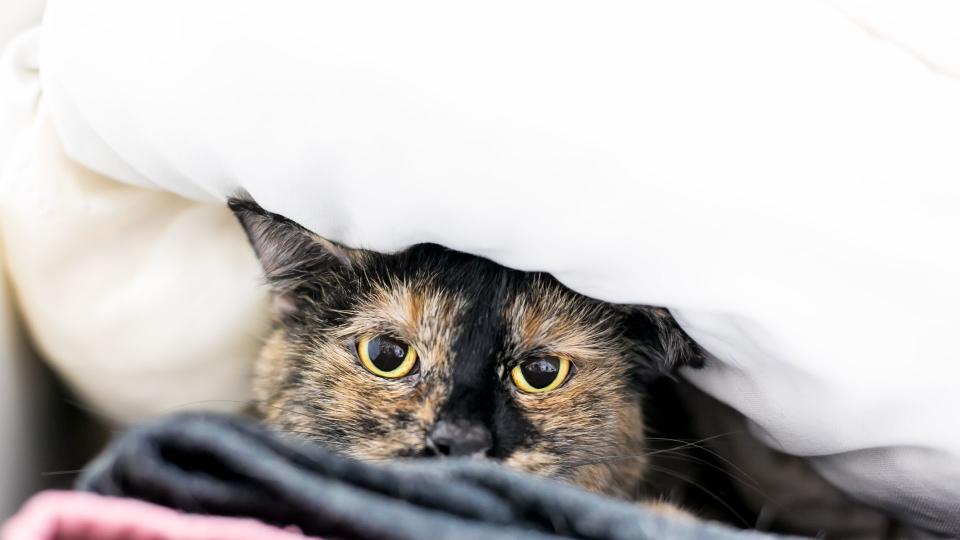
(431, 352)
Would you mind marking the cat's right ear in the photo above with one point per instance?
(297, 263)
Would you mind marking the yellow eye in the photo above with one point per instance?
(541, 374)
(386, 357)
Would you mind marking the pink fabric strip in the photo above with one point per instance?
(71, 515)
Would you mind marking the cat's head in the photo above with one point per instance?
(432, 352)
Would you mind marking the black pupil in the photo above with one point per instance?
(385, 353)
(541, 372)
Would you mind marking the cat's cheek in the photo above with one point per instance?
(534, 461)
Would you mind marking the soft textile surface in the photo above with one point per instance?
(229, 466)
(783, 175)
(69, 515)
(143, 301)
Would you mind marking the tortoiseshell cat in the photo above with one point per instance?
(432, 352)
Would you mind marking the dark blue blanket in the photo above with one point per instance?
(231, 466)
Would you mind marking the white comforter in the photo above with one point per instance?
(785, 176)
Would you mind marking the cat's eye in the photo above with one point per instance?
(541, 374)
(386, 357)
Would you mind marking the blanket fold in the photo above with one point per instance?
(230, 466)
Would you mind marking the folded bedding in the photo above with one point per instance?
(229, 466)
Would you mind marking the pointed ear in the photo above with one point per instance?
(655, 335)
(295, 261)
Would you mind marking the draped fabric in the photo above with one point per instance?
(229, 466)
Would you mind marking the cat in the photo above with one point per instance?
(430, 352)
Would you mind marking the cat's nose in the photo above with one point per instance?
(458, 439)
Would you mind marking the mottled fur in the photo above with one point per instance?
(471, 321)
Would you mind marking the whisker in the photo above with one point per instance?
(712, 495)
(62, 473)
(717, 454)
(747, 481)
(739, 475)
(650, 453)
(102, 416)
(705, 439)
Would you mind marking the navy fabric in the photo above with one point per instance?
(231, 466)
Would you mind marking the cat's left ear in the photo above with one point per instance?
(663, 346)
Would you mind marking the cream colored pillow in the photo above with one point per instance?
(143, 301)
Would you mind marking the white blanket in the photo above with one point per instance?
(785, 176)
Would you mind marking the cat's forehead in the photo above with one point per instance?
(428, 293)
